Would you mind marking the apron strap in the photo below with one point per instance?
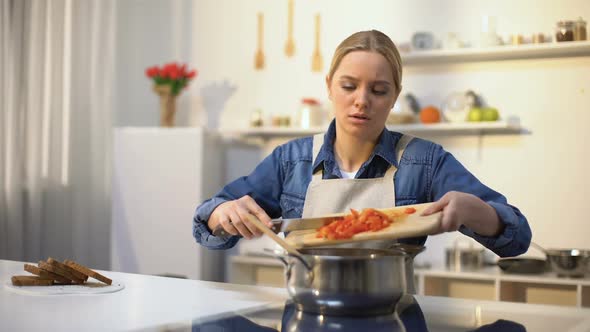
(318, 141)
(401, 146)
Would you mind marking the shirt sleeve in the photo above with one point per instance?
(264, 185)
(448, 174)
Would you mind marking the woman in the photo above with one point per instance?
(358, 163)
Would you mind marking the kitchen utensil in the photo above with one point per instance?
(316, 60)
(573, 263)
(287, 225)
(290, 44)
(459, 258)
(346, 281)
(456, 107)
(288, 248)
(522, 265)
(423, 41)
(259, 57)
(412, 225)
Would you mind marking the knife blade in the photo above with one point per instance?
(287, 225)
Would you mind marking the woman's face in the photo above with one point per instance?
(362, 92)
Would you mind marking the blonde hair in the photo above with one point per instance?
(374, 41)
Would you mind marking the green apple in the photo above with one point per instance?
(475, 114)
(490, 114)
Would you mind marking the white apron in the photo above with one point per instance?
(340, 195)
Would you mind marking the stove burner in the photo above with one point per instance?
(408, 316)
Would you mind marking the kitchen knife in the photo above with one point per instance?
(287, 225)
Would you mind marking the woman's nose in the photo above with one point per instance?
(361, 100)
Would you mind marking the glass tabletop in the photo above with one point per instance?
(410, 315)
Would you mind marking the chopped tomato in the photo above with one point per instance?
(409, 210)
(358, 222)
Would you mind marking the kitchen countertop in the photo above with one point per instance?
(159, 303)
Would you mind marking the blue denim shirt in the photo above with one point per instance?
(425, 173)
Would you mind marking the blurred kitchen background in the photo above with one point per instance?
(133, 185)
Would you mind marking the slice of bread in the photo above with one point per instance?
(30, 281)
(52, 268)
(64, 267)
(91, 273)
(43, 274)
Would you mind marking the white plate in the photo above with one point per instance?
(91, 287)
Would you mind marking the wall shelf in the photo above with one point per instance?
(506, 52)
(510, 126)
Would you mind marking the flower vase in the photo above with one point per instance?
(167, 105)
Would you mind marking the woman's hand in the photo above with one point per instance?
(460, 208)
(232, 216)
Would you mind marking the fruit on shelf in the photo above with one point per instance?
(430, 114)
(475, 114)
(490, 114)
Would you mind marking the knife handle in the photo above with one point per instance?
(219, 231)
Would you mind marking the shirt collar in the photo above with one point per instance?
(385, 147)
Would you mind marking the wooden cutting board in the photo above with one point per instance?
(408, 226)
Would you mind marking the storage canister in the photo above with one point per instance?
(580, 29)
(564, 31)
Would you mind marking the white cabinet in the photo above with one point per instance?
(160, 175)
(488, 283)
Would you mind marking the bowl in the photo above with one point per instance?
(573, 263)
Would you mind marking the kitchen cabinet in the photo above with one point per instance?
(160, 175)
(488, 283)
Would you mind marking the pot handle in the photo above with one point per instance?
(277, 254)
(282, 256)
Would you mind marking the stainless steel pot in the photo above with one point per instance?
(346, 281)
(459, 258)
(573, 263)
(570, 262)
(411, 251)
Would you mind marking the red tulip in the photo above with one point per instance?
(192, 73)
(151, 72)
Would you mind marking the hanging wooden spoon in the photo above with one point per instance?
(290, 45)
(259, 57)
(316, 60)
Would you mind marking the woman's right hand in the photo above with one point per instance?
(232, 216)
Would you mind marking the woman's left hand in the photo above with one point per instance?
(460, 208)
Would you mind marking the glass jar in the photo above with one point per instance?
(256, 118)
(309, 114)
(564, 31)
(580, 29)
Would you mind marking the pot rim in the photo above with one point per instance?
(371, 254)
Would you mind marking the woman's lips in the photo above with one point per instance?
(359, 118)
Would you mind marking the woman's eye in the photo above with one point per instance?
(348, 87)
(380, 92)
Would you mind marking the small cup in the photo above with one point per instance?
(516, 39)
(538, 38)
